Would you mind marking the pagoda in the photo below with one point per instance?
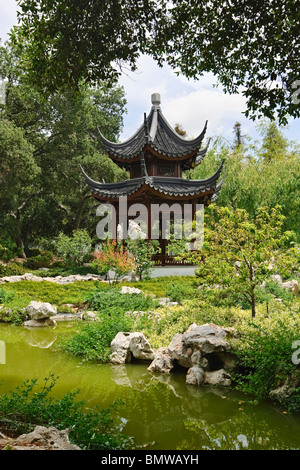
(155, 157)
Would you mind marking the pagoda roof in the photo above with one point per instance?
(180, 188)
(156, 134)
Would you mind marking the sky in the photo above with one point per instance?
(186, 102)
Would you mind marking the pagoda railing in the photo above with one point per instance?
(166, 260)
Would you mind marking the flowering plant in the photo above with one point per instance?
(113, 257)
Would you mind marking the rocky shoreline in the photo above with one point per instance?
(205, 351)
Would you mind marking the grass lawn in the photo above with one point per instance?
(20, 294)
(23, 292)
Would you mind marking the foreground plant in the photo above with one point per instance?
(30, 405)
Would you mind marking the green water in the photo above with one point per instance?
(159, 409)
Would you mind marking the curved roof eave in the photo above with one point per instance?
(191, 143)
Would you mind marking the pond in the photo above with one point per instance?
(160, 411)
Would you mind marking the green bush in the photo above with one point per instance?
(93, 340)
(112, 301)
(265, 354)
(15, 315)
(5, 296)
(29, 405)
(11, 269)
(40, 261)
(75, 249)
(8, 249)
(178, 292)
(92, 343)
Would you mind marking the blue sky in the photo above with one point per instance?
(189, 103)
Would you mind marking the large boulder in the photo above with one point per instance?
(130, 290)
(204, 350)
(42, 438)
(208, 338)
(162, 362)
(179, 351)
(195, 375)
(288, 389)
(217, 377)
(125, 345)
(40, 314)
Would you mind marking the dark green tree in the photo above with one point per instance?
(56, 134)
(249, 44)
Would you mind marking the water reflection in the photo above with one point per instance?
(40, 339)
(163, 409)
(158, 408)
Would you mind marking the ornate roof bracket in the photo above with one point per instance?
(146, 129)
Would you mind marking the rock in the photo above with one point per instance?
(135, 232)
(291, 286)
(91, 315)
(125, 345)
(40, 310)
(208, 338)
(45, 438)
(162, 362)
(198, 360)
(204, 350)
(164, 300)
(56, 279)
(40, 314)
(195, 376)
(179, 351)
(288, 388)
(130, 290)
(217, 377)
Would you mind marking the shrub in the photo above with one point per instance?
(113, 257)
(11, 269)
(75, 249)
(15, 315)
(92, 343)
(27, 406)
(265, 353)
(179, 292)
(113, 301)
(40, 261)
(9, 249)
(5, 296)
(143, 251)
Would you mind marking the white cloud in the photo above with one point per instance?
(187, 102)
(8, 17)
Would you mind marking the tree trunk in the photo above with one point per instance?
(20, 244)
(253, 305)
(78, 215)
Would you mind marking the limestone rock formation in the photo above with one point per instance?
(162, 362)
(125, 345)
(41, 438)
(204, 350)
(40, 314)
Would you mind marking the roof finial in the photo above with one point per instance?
(155, 99)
